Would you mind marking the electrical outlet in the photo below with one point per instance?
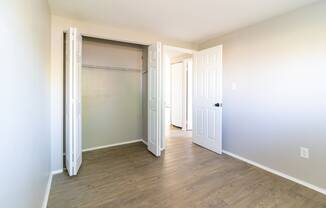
(304, 152)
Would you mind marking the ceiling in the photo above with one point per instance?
(172, 53)
(184, 20)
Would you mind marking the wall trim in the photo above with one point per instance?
(144, 142)
(111, 145)
(276, 172)
(48, 187)
(47, 191)
(55, 172)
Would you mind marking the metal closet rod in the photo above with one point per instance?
(111, 68)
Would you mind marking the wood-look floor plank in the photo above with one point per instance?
(185, 176)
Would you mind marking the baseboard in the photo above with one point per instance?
(111, 145)
(276, 172)
(144, 142)
(47, 192)
(55, 172)
(147, 145)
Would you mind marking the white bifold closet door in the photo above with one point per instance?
(155, 94)
(73, 101)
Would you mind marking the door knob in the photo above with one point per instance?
(218, 104)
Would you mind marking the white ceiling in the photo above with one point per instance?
(186, 20)
(172, 53)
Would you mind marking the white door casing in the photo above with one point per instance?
(189, 95)
(167, 96)
(155, 104)
(207, 94)
(73, 101)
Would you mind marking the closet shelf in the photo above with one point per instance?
(111, 68)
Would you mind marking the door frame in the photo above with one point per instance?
(163, 81)
(63, 120)
(188, 103)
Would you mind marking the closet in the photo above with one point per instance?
(111, 90)
(114, 93)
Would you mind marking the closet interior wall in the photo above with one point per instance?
(114, 88)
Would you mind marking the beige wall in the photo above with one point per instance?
(25, 103)
(279, 67)
(111, 99)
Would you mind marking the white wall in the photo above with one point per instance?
(279, 105)
(58, 26)
(25, 102)
(111, 99)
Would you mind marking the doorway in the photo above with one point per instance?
(203, 95)
(177, 93)
(106, 89)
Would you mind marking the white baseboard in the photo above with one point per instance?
(276, 172)
(111, 145)
(55, 172)
(48, 187)
(47, 192)
(144, 142)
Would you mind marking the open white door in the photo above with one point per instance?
(73, 101)
(178, 96)
(155, 93)
(207, 99)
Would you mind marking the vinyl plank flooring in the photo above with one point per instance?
(185, 176)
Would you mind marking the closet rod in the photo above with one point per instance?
(111, 68)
